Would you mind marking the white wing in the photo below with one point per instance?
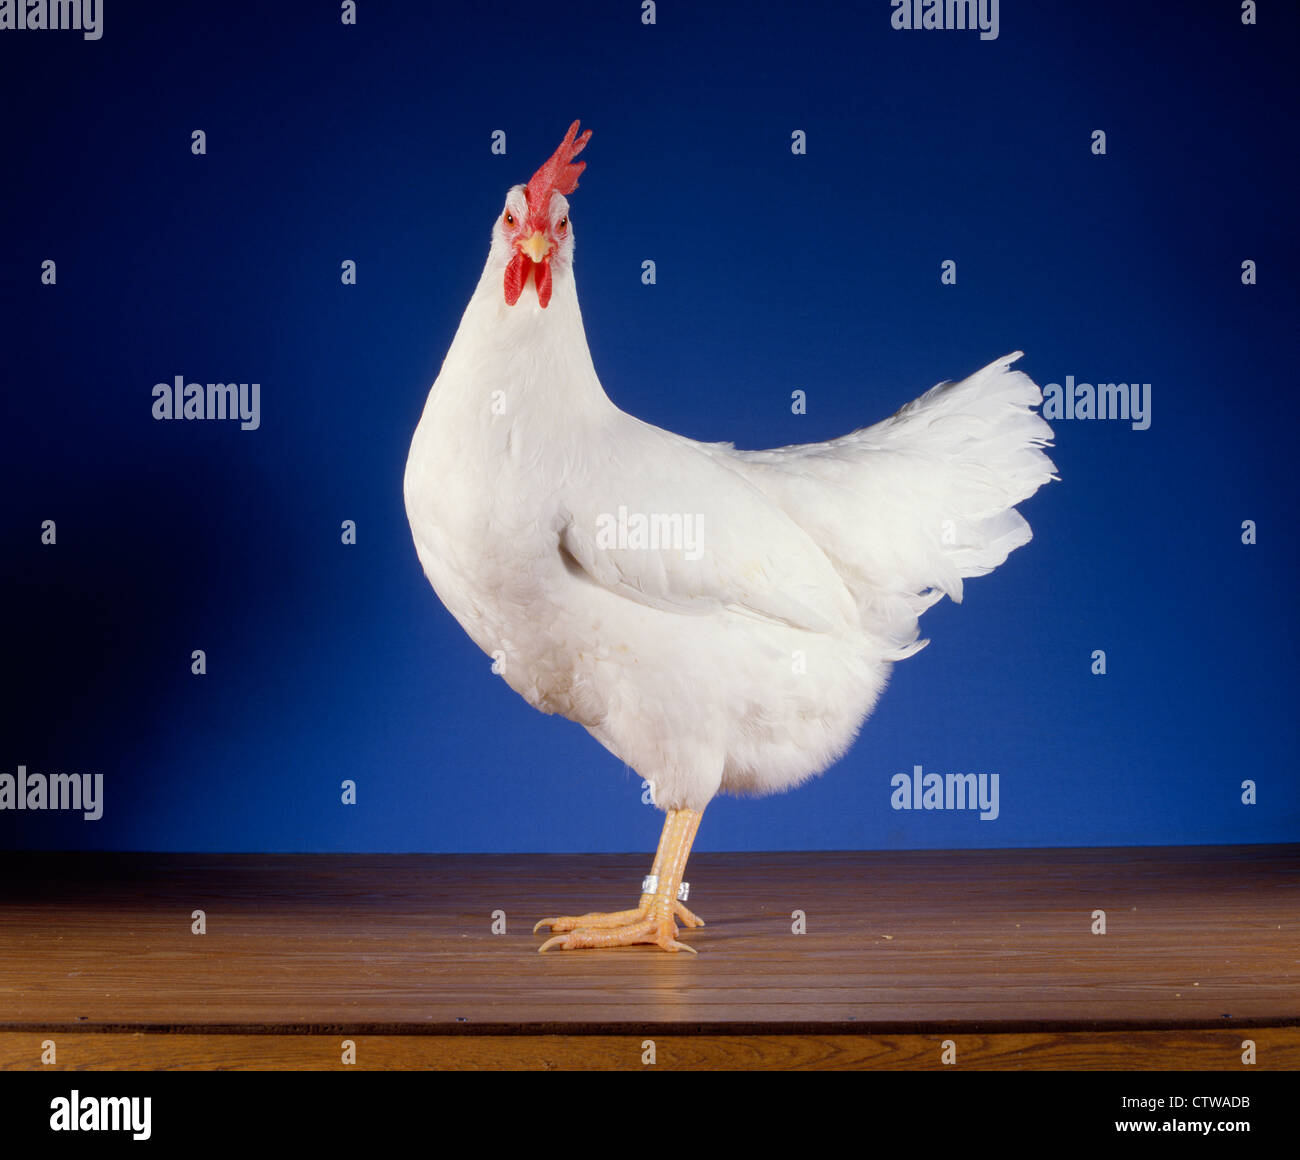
(661, 521)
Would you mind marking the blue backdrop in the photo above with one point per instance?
(776, 271)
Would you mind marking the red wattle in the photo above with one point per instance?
(542, 280)
(516, 276)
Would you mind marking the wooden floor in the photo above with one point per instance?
(981, 960)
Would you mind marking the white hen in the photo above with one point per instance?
(721, 620)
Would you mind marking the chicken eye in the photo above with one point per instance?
(510, 218)
(563, 224)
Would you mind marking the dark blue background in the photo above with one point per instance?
(775, 272)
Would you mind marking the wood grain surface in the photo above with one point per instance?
(993, 950)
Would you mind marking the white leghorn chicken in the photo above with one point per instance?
(721, 620)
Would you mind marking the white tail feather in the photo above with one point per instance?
(921, 500)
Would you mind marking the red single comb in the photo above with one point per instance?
(559, 174)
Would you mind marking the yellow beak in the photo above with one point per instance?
(536, 247)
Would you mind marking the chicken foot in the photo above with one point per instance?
(653, 920)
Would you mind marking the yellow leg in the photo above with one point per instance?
(653, 919)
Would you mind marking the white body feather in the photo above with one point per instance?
(752, 667)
